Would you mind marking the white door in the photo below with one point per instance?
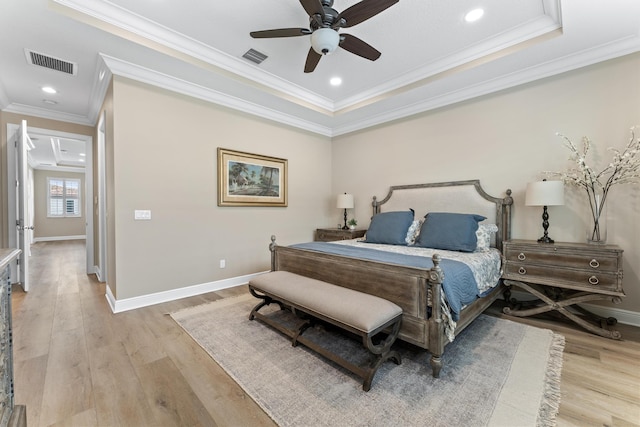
(23, 217)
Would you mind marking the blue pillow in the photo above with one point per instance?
(390, 228)
(449, 231)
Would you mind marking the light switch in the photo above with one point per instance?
(143, 215)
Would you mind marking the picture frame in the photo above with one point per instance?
(246, 179)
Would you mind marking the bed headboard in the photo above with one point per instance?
(453, 196)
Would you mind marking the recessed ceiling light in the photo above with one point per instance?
(474, 15)
(82, 154)
(49, 89)
(335, 81)
(49, 101)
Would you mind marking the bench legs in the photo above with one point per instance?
(381, 352)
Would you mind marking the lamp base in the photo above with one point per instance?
(545, 225)
(345, 227)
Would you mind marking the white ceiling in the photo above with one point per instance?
(430, 56)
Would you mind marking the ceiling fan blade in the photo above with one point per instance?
(362, 11)
(312, 7)
(313, 58)
(358, 47)
(280, 32)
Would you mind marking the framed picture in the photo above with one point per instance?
(246, 179)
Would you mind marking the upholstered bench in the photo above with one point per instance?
(361, 314)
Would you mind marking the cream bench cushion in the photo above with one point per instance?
(358, 310)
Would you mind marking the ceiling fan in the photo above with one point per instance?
(325, 22)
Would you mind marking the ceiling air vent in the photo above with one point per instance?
(255, 56)
(50, 62)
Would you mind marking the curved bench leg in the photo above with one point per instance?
(382, 352)
(266, 300)
(385, 345)
(375, 365)
(303, 327)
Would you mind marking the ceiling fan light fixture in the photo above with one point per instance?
(325, 40)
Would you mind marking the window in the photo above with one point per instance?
(63, 197)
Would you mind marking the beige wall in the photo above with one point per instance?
(161, 155)
(506, 140)
(36, 122)
(164, 157)
(55, 227)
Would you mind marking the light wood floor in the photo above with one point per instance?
(77, 364)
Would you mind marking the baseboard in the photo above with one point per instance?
(118, 306)
(58, 238)
(98, 273)
(626, 317)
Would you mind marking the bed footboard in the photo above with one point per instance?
(410, 288)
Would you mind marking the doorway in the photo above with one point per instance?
(53, 137)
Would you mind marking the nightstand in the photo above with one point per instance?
(331, 234)
(562, 275)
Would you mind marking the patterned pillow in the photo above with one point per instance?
(414, 230)
(484, 236)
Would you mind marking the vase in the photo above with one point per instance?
(597, 227)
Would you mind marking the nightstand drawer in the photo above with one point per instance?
(590, 261)
(580, 279)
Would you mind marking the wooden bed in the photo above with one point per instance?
(409, 287)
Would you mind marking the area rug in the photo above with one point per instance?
(496, 373)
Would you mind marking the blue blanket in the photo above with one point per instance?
(459, 285)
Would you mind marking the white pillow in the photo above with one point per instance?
(484, 236)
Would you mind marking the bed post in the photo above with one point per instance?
(436, 324)
(508, 203)
(272, 249)
(376, 206)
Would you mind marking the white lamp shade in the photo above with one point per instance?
(325, 40)
(545, 193)
(345, 201)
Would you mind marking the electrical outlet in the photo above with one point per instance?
(223, 263)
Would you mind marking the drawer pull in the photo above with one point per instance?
(522, 256)
(523, 270)
(594, 280)
(594, 263)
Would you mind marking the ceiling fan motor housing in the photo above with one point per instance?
(329, 17)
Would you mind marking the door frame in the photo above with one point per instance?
(12, 128)
(101, 206)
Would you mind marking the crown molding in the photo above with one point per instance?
(118, 17)
(48, 114)
(145, 75)
(521, 37)
(622, 47)
(611, 50)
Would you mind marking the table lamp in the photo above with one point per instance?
(545, 193)
(345, 201)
